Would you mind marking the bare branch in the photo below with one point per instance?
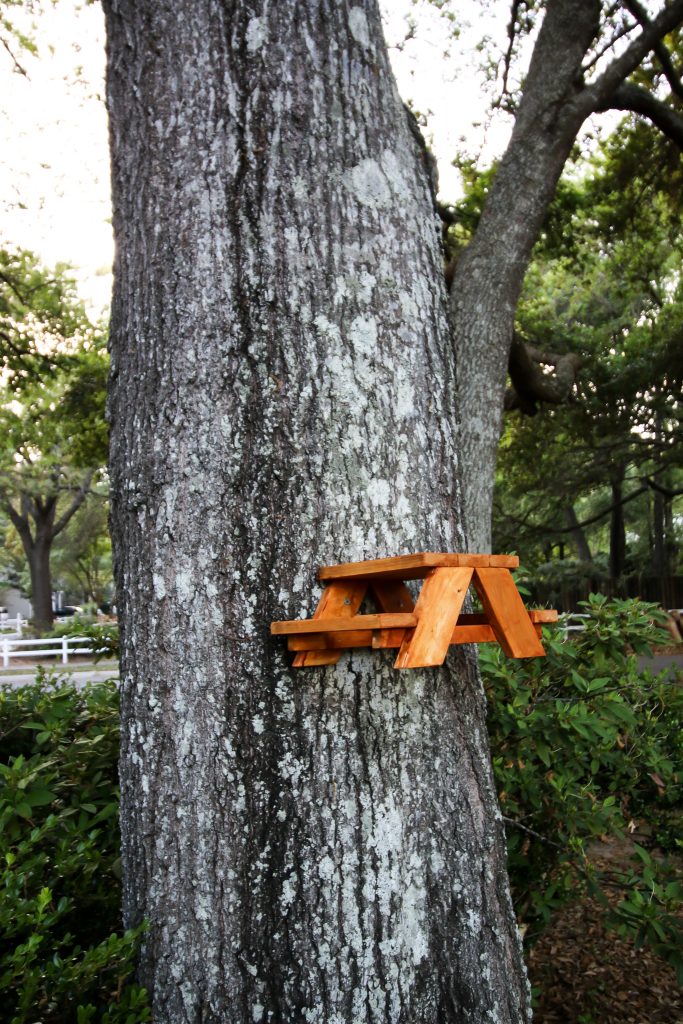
(624, 31)
(507, 60)
(17, 66)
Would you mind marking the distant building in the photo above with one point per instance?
(13, 603)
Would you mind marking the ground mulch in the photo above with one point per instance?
(585, 974)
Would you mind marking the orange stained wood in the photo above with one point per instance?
(338, 600)
(437, 610)
(506, 613)
(422, 632)
(330, 625)
(332, 641)
(414, 567)
(471, 629)
(391, 596)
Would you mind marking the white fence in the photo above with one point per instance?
(14, 625)
(64, 646)
(571, 622)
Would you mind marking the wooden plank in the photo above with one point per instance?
(437, 609)
(331, 641)
(337, 599)
(390, 596)
(543, 614)
(412, 567)
(506, 613)
(472, 634)
(348, 623)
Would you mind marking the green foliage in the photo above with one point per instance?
(606, 284)
(583, 744)
(62, 957)
(53, 435)
(104, 636)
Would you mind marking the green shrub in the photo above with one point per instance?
(584, 744)
(75, 625)
(62, 957)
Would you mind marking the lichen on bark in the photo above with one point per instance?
(321, 845)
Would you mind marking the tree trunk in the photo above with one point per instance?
(490, 272)
(41, 586)
(320, 845)
(617, 533)
(37, 545)
(583, 551)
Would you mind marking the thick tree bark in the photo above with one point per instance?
(320, 845)
(41, 586)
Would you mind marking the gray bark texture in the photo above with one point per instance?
(489, 275)
(320, 845)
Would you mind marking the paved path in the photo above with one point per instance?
(658, 662)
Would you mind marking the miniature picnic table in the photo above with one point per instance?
(422, 630)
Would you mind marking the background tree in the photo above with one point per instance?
(325, 845)
(604, 288)
(52, 413)
(81, 558)
(588, 56)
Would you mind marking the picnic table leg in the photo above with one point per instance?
(339, 599)
(437, 609)
(506, 613)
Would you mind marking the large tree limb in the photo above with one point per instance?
(633, 97)
(76, 503)
(531, 384)
(659, 49)
(20, 523)
(596, 95)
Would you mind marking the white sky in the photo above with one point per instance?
(54, 161)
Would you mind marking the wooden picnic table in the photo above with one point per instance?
(422, 630)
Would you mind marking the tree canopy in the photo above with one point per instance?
(54, 437)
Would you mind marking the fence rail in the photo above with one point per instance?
(12, 625)
(65, 646)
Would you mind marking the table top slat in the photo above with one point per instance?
(416, 566)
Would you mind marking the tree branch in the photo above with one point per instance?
(531, 385)
(659, 49)
(596, 95)
(78, 500)
(633, 97)
(20, 524)
(507, 60)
